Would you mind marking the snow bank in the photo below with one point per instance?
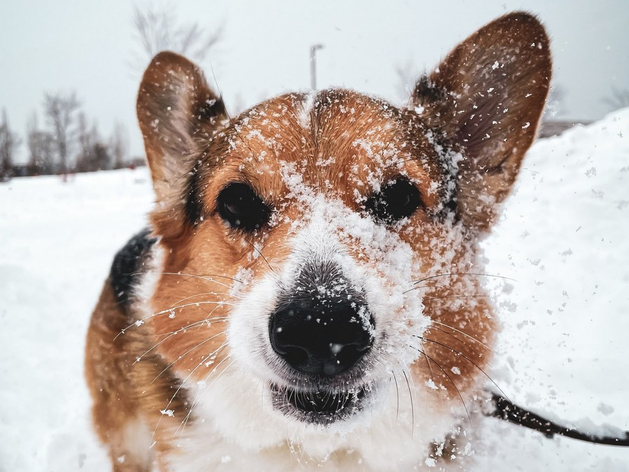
(563, 350)
(56, 244)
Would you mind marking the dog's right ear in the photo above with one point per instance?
(487, 98)
(178, 113)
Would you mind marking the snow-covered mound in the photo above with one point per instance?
(563, 350)
(564, 238)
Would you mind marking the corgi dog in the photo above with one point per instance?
(309, 295)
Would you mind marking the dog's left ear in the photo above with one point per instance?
(178, 114)
(487, 97)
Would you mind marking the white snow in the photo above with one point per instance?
(564, 239)
(56, 245)
(563, 350)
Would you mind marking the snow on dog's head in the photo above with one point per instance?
(320, 249)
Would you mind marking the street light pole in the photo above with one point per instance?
(313, 65)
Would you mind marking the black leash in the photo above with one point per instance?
(505, 410)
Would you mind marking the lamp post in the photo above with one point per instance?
(313, 65)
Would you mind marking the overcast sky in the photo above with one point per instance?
(91, 47)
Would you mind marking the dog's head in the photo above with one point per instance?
(320, 265)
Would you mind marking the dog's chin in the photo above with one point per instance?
(321, 406)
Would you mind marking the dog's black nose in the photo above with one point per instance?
(322, 337)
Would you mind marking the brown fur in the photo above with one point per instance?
(493, 118)
(185, 130)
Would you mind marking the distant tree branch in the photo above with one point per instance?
(9, 142)
(119, 145)
(158, 29)
(59, 110)
(41, 148)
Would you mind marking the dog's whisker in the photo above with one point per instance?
(183, 424)
(459, 274)
(449, 378)
(397, 396)
(172, 398)
(402, 369)
(390, 367)
(209, 277)
(471, 338)
(327, 397)
(182, 355)
(202, 294)
(454, 297)
(255, 248)
(414, 288)
(208, 320)
(410, 396)
(206, 360)
(218, 87)
(206, 278)
(209, 315)
(445, 297)
(188, 352)
(168, 336)
(170, 312)
(432, 374)
(458, 353)
(197, 324)
(217, 304)
(186, 305)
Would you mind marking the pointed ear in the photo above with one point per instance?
(177, 112)
(487, 98)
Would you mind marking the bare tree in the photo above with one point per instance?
(618, 99)
(9, 142)
(93, 153)
(59, 110)
(85, 139)
(119, 145)
(97, 158)
(41, 148)
(102, 156)
(158, 29)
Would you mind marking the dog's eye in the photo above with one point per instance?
(239, 206)
(396, 200)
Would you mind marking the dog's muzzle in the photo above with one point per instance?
(322, 330)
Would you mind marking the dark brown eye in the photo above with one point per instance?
(241, 208)
(396, 200)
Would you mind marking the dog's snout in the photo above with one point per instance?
(322, 338)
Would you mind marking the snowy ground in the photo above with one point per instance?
(564, 350)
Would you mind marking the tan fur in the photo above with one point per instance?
(134, 375)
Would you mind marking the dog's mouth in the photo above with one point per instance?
(318, 406)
